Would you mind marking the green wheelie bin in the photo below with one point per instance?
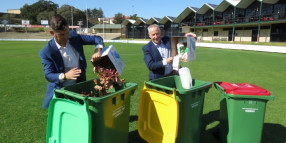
(242, 111)
(159, 121)
(73, 118)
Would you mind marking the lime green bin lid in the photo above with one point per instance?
(68, 121)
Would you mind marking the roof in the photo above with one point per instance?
(126, 21)
(239, 3)
(165, 19)
(194, 9)
(140, 20)
(233, 2)
(212, 6)
(270, 1)
(222, 6)
(202, 10)
(157, 19)
(206, 7)
(153, 20)
(245, 3)
(185, 13)
(107, 26)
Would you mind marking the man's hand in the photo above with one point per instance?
(169, 60)
(73, 73)
(191, 34)
(96, 55)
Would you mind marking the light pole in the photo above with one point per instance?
(86, 17)
(103, 26)
(71, 16)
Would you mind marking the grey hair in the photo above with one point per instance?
(153, 26)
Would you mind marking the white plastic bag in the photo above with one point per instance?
(191, 48)
(176, 62)
(186, 78)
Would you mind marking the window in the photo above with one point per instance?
(215, 33)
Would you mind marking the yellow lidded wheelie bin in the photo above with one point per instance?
(169, 113)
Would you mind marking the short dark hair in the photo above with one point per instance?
(57, 22)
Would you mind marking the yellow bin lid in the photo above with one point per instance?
(158, 116)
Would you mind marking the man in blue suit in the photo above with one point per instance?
(63, 56)
(158, 53)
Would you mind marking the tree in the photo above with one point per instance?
(66, 11)
(30, 12)
(93, 15)
(79, 16)
(98, 13)
(72, 15)
(45, 15)
(134, 16)
(118, 18)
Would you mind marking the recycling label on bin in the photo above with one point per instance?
(196, 104)
(250, 110)
(118, 111)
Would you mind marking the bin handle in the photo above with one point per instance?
(217, 86)
(174, 90)
(144, 86)
(65, 92)
(84, 98)
(174, 93)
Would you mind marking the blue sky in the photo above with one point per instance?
(143, 8)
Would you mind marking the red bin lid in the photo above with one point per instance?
(243, 89)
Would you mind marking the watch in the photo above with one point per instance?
(62, 76)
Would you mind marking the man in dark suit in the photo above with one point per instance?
(158, 53)
(63, 56)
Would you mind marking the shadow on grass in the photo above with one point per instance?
(207, 134)
(274, 133)
(134, 137)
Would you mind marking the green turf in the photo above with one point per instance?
(23, 86)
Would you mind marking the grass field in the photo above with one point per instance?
(23, 86)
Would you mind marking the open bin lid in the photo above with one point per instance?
(68, 121)
(158, 116)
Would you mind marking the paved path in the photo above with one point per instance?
(274, 49)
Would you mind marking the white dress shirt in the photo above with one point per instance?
(165, 54)
(71, 60)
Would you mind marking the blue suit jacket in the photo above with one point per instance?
(153, 59)
(53, 64)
